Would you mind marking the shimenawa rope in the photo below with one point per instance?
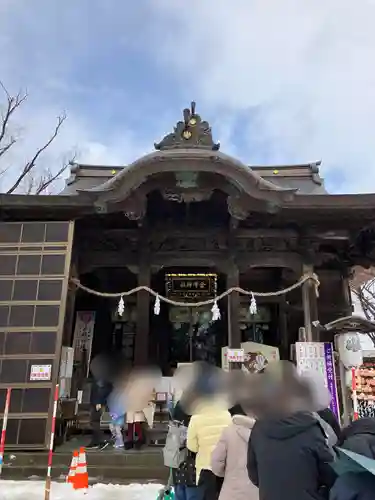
(306, 277)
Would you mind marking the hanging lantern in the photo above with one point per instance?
(253, 305)
(215, 312)
(350, 350)
(157, 306)
(121, 307)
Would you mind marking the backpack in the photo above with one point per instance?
(175, 451)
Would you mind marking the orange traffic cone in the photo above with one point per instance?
(73, 467)
(81, 480)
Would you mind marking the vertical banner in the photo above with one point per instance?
(83, 336)
(318, 357)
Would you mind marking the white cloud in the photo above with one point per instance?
(303, 71)
(296, 77)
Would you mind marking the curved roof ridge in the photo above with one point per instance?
(312, 165)
(238, 167)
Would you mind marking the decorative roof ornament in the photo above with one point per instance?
(192, 132)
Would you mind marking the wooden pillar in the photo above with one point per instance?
(234, 331)
(310, 307)
(141, 354)
(143, 315)
(348, 305)
(283, 329)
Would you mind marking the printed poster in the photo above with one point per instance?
(256, 356)
(41, 372)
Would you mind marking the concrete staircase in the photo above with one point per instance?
(107, 466)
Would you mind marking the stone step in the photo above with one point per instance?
(106, 458)
(108, 465)
(97, 474)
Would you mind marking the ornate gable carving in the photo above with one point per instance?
(192, 132)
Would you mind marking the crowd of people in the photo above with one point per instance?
(126, 394)
(278, 441)
(240, 436)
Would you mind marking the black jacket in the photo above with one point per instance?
(354, 487)
(288, 458)
(100, 392)
(359, 437)
(330, 418)
(185, 474)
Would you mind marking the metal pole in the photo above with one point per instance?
(191, 335)
(344, 395)
(47, 488)
(230, 335)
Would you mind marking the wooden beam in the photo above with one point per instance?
(246, 260)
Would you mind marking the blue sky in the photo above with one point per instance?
(280, 81)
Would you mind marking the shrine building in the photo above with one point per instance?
(189, 222)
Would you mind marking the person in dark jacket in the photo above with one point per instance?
(101, 388)
(354, 486)
(184, 478)
(288, 457)
(358, 437)
(100, 391)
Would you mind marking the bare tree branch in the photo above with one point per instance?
(366, 296)
(32, 182)
(13, 103)
(49, 178)
(31, 164)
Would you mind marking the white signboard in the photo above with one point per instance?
(235, 355)
(40, 372)
(318, 357)
(255, 356)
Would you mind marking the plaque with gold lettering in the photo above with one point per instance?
(191, 287)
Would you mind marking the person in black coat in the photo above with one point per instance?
(101, 388)
(288, 458)
(100, 391)
(359, 437)
(354, 486)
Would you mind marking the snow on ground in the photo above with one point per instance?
(34, 490)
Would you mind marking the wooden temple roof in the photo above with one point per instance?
(190, 147)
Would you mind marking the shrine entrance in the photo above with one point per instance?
(186, 334)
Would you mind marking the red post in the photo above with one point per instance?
(47, 488)
(354, 394)
(4, 429)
